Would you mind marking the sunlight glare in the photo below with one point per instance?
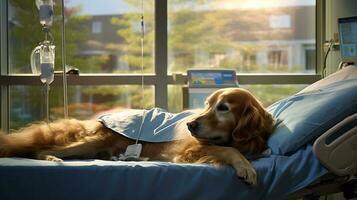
(259, 4)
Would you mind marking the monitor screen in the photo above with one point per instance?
(197, 97)
(211, 78)
(347, 28)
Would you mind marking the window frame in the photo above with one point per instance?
(160, 79)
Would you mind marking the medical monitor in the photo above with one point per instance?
(211, 78)
(203, 82)
(347, 28)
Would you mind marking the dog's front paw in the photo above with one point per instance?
(248, 174)
(53, 158)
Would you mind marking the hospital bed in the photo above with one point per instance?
(314, 142)
(336, 150)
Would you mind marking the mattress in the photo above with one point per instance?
(278, 176)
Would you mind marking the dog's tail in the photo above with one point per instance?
(27, 142)
(16, 144)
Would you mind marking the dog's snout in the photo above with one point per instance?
(192, 126)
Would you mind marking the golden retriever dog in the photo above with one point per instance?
(232, 124)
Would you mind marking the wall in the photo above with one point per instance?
(334, 10)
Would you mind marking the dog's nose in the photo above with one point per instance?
(192, 126)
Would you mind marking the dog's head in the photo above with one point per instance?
(233, 117)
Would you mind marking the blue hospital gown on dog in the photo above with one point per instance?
(158, 125)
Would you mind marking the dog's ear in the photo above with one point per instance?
(253, 129)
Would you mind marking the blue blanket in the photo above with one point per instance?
(157, 126)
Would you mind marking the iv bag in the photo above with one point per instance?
(45, 12)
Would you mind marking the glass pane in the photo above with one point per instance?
(84, 102)
(267, 94)
(175, 98)
(25, 33)
(101, 36)
(27, 104)
(250, 36)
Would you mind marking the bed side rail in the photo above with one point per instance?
(336, 149)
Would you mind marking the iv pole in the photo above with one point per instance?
(47, 53)
(65, 98)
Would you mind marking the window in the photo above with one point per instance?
(277, 60)
(263, 41)
(100, 39)
(310, 59)
(267, 94)
(96, 27)
(280, 21)
(249, 61)
(245, 28)
(85, 102)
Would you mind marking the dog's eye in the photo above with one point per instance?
(222, 107)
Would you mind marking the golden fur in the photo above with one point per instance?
(233, 123)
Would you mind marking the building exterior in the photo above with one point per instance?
(264, 40)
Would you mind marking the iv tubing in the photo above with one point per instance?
(65, 98)
(142, 70)
(46, 93)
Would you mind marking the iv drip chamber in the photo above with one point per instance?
(43, 61)
(47, 62)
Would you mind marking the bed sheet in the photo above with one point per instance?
(96, 179)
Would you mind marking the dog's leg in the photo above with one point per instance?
(47, 156)
(234, 158)
(221, 155)
(90, 148)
